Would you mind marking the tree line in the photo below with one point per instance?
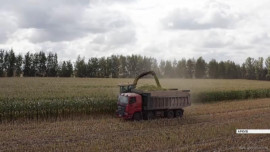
(118, 66)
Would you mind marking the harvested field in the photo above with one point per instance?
(204, 127)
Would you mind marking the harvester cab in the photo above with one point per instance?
(124, 88)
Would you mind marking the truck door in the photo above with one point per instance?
(135, 103)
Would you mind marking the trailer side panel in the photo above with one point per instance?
(160, 100)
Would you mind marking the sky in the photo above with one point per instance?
(163, 29)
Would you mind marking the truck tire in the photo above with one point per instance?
(137, 116)
(179, 113)
(169, 114)
(149, 115)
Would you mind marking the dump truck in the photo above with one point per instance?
(139, 104)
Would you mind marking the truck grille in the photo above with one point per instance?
(121, 110)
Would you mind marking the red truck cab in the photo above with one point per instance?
(129, 105)
(138, 104)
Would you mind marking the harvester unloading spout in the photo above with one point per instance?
(129, 87)
(144, 74)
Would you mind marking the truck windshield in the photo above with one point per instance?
(123, 99)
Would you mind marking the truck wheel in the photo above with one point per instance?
(150, 115)
(179, 113)
(137, 116)
(170, 114)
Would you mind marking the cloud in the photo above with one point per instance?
(102, 20)
(64, 20)
(217, 39)
(114, 40)
(159, 28)
(261, 38)
(7, 26)
(78, 26)
(214, 15)
(122, 37)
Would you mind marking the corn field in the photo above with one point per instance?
(57, 98)
(231, 95)
(12, 109)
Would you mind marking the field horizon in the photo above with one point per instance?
(26, 87)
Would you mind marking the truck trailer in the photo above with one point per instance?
(137, 104)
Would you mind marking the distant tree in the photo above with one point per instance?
(66, 69)
(109, 67)
(2, 53)
(250, 68)
(190, 68)
(200, 68)
(123, 71)
(174, 69)
(239, 71)
(55, 64)
(103, 69)
(230, 70)
(259, 72)
(221, 69)
(93, 67)
(80, 67)
(27, 65)
(265, 71)
(114, 66)
(62, 69)
(213, 69)
(243, 71)
(139, 65)
(168, 73)
(90, 68)
(19, 62)
(6, 62)
(146, 64)
(132, 66)
(35, 64)
(267, 64)
(38, 64)
(162, 68)
(154, 66)
(182, 68)
(10, 63)
(52, 65)
(69, 72)
(42, 64)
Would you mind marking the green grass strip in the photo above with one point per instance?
(213, 96)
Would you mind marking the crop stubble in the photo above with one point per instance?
(203, 127)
